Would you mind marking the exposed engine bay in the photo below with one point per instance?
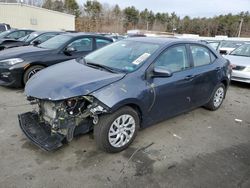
(62, 119)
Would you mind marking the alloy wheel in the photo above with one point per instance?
(218, 97)
(121, 130)
(33, 72)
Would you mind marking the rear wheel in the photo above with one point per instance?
(115, 132)
(31, 72)
(217, 98)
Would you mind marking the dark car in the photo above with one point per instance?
(34, 38)
(4, 27)
(122, 87)
(17, 65)
(14, 34)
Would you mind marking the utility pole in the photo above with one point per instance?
(240, 26)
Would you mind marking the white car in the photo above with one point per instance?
(240, 60)
(227, 47)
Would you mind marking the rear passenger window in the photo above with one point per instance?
(101, 42)
(174, 59)
(201, 55)
(82, 45)
(213, 57)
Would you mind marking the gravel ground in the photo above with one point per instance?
(196, 149)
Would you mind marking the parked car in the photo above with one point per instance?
(34, 38)
(4, 27)
(228, 46)
(122, 87)
(240, 60)
(12, 35)
(18, 65)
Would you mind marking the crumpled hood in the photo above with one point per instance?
(238, 60)
(23, 51)
(68, 79)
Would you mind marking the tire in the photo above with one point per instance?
(107, 126)
(217, 98)
(30, 72)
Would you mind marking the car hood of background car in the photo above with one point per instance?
(238, 60)
(68, 79)
(23, 51)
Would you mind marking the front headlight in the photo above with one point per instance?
(247, 69)
(12, 61)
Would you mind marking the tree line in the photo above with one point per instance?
(94, 16)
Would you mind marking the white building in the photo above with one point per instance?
(30, 17)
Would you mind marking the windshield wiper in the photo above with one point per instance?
(101, 66)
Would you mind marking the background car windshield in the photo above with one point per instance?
(124, 55)
(55, 42)
(29, 38)
(230, 44)
(3, 34)
(243, 50)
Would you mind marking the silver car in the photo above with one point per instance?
(240, 60)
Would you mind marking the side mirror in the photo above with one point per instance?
(161, 72)
(36, 42)
(69, 50)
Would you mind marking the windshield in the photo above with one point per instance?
(29, 37)
(230, 44)
(214, 45)
(125, 56)
(243, 50)
(55, 42)
(23, 38)
(4, 34)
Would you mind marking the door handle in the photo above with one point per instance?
(189, 77)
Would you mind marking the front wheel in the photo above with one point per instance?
(116, 131)
(217, 98)
(31, 72)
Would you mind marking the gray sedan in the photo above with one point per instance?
(240, 60)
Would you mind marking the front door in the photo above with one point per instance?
(173, 94)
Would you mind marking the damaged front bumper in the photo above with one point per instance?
(57, 122)
(39, 133)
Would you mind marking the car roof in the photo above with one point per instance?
(86, 34)
(163, 40)
(42, 32)
(81, 34)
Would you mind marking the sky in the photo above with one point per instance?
(192, 8)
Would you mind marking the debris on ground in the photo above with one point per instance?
(238, 120)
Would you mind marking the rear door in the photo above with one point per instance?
(206, 69)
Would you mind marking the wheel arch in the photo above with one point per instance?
(133, 104)
(225, 83)
(29, 66)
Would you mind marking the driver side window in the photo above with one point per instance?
(174, 59)
(82, 45)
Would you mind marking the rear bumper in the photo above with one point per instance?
(39, 133)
